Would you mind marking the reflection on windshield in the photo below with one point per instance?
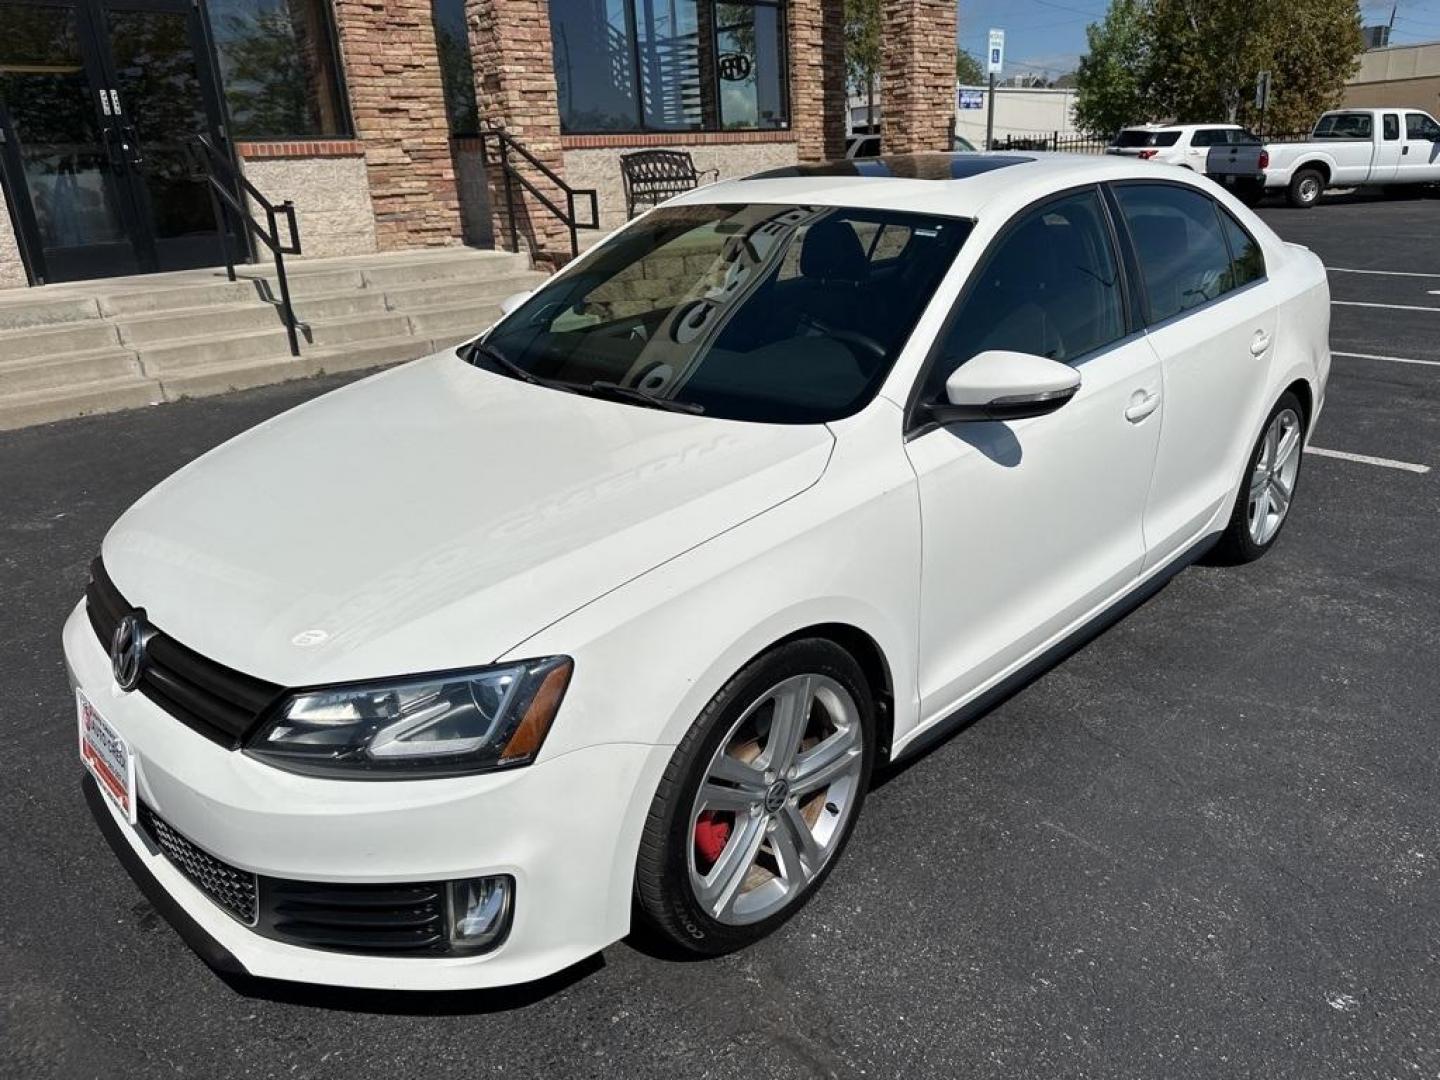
(786, 314)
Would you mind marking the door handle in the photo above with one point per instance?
(1260, 343)
(1141, 405)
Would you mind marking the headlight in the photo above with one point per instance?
(427, 725)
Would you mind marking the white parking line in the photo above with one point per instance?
(1366, 459)
(1389, 307)
(1382, 273)
(1391, 359)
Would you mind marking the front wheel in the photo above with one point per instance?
(1263, 504)
(1306, 187)
(758, 800)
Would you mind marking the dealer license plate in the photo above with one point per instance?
(107, 756)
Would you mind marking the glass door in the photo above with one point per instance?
(98, 99)
(67, 189)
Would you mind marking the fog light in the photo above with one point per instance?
(480, 911)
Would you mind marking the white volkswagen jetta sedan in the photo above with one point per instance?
(451, 676)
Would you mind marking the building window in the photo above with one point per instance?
(669, 65)
(457, 73)
(279, 69)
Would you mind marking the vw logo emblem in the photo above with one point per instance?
(127, 650)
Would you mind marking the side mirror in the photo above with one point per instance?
(513, 301)
(1000, 385)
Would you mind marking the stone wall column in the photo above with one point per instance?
(817, 78)
(392, 71)
(515, 89)
(917, 82)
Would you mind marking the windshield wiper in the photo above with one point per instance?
(644, 397)
(490, 352)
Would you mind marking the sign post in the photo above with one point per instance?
(1262, 97)
(994, 63)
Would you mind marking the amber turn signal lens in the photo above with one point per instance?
(534, 725)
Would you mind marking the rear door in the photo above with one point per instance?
(1388, 150)
(1030, 524)
(1212, 324)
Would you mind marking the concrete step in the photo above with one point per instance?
(466, 320)
(79, 399)
(223, 378)
(255, 345)
(26, 309)
(474, 266)
(183, 323)
(418, 297)
(22, 376)
(252, 284)
(56, 340)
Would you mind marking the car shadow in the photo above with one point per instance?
(412, 1002)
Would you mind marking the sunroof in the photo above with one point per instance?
(907, 166)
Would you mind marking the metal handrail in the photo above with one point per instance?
(567, 217)
(224, 181)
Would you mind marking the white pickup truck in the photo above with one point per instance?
(1355, 148)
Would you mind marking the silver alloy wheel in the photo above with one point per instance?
(1309, 189)
(780, 789)
(1272, 484)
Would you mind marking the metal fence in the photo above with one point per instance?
(1054, 142)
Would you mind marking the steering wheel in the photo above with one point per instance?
(862, 343)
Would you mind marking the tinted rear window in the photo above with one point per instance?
(1133, 137)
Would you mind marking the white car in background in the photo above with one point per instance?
(436, 680)
(1187, 145)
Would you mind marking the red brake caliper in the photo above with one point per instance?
(710, 836)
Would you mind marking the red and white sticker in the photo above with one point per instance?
(107, 756)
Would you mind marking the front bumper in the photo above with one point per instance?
(566, 829)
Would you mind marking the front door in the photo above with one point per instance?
(1030, 525)
(97, 101)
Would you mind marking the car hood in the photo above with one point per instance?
(434, 517)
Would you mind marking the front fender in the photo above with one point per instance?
(651, 654)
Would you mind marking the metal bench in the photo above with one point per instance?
(652, 176)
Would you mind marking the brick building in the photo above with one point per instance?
(366, 113)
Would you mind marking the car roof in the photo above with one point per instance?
(952, 184)
(1178, 127)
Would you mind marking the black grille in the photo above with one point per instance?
(394, 919)
(403, 919)
(233, 889)
(218, 702)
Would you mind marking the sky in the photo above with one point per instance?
(1048, 36)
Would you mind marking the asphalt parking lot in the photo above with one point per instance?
(1206, 845)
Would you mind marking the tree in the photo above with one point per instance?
(967, 69)
(1196, 61)
(864, 50)
(1108, 78)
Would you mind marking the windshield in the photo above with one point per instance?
(783, 314)
(1343, 126)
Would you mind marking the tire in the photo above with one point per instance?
(1245, 539)
(695, 889)
(1306, 187)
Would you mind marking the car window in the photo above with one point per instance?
(1208, 137)
(1392, 126)
(1179, 245)
(1420, 126)
(1050, 288)
(1247, 261)
(760, 312)
(1241, 137)
(1344, 126)
(1133, 137)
